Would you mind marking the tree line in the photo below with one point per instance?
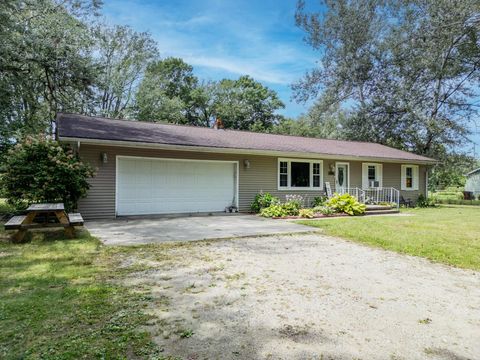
(401, 73)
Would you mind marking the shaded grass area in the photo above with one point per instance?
(449, 235)
(61, 299)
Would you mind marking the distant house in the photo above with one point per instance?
(147, 168)
(473, 182)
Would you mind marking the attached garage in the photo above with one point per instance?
(164, 186)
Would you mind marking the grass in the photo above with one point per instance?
(449, 235)
(61, 299)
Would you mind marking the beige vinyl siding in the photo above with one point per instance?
(261, 176)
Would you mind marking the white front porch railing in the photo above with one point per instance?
(379, 195)
(374, 195)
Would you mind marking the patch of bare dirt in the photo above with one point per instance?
(306, 297)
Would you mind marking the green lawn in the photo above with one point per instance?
(450, 235)
(62, 299)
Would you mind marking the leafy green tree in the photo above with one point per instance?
(450, 170)
(45, 64)
(123, 55)
(165, 93)
(41, 170)
(245, 104)
(408, 69)
(315, 123)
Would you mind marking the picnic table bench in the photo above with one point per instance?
(41, 215)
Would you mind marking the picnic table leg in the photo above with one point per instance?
(62, 217)
(70, 232)
(19, 235)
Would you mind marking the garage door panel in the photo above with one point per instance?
(156, 186)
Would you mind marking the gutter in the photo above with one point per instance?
(238, 151)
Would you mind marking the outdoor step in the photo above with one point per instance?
(382, 212)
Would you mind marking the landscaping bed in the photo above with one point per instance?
(316, 216)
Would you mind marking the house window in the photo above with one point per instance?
(283, 173)
(316, 175)
(372, 175)
(409, 177)
(299, 174)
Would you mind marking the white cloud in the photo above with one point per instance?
(222, 39)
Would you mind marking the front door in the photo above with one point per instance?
(341, 178)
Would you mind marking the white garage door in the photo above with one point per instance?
(162, 186)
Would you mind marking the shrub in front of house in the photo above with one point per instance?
(324, 210)
(295, 200)
(423, 202)
(41, 170)
(263, 200)
(319, 201)
(347, 204)
(306, 213)
(276, 210)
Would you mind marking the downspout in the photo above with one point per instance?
(426, 182)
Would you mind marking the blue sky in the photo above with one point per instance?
(226, 39)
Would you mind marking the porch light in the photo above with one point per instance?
(246, 163)
(331, 169)
(104, 158)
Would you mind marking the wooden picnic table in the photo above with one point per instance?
(41, 215)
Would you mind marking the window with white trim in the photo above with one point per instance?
(409, 177)
(300, 174)
(283, 181)
(372, 175)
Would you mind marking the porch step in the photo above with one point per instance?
(382, 212)
(378, 207)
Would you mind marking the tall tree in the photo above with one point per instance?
(165, 93)
(408, 69)
(45, 63)
(123, 55)
(246, 104)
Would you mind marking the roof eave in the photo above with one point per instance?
(135, 144)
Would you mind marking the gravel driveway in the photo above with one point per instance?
(306, 297)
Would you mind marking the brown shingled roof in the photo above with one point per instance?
(96, 128)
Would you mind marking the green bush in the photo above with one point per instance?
(275, 210)
(41, 170)
(324, 210)
(448, 194)
(291, 207)
(457, 202)
(423, 202)
(306, 213)
(347, 204)
(280, 210)
(263, 200)
(294, 200)
(319, 201)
